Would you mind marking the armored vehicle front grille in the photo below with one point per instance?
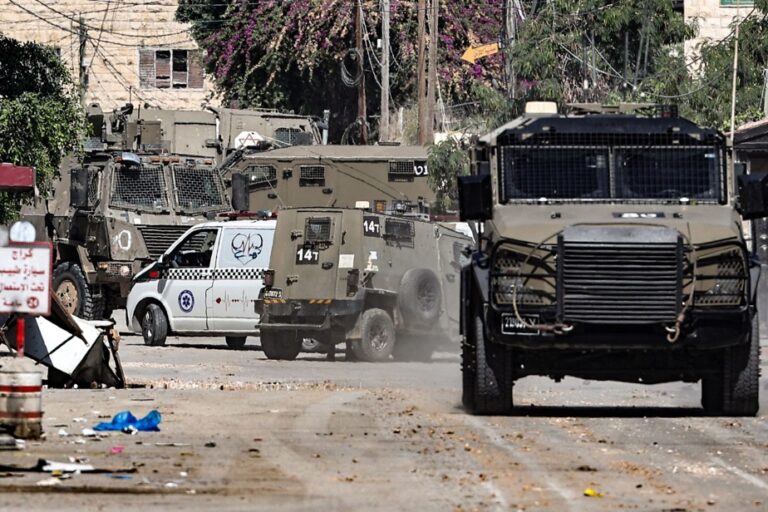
(401, 170)
(620, 283)
(159, 238)
(198, 188)
(142, 188)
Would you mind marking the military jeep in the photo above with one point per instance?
(612, 249)
(383, 284)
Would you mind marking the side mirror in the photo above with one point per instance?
(240, 197)
(78, 188)
(753, 195)
(475, 197)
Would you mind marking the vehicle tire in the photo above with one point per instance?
(73, 292)
(377, 336)
(413, 348)
(734, 390)
(487, 372)
(419, 298)
(154, 325)
(280, 346)
(236, 342)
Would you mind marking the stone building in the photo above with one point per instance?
(714, 19)
(130, 50)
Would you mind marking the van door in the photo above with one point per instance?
(316, 254)
(242, 258)
(188, 279)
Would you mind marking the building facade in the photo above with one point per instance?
(120, 50)
(714, 19)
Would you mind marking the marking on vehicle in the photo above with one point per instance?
(123, 240)
(186, 301)
(510, 324)
(371, 226)
(346, 261)
(246, 248)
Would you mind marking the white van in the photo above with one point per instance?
(206, 284)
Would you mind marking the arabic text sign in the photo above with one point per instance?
(25, 279)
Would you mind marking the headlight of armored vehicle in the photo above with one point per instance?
(523, 274)
(721, 278)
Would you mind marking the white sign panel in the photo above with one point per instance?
(25, 279)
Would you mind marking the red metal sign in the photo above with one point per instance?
(15, 177)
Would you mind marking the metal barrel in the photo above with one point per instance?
(21, 403)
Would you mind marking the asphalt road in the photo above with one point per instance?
(240, 432)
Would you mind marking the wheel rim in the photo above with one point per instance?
(378, 336)
(146, 325)
(68, 295)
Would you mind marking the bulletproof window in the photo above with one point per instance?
(400, 231)
(293, 136)
(197, 188)
(312, 176)
(261, 176)
(94, 184)
(195, 251)
(401, 170)
(166, 68)
(317, 229)
(142, 188)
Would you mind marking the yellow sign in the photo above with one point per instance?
(478, 52)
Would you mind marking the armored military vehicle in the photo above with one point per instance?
(384, 284)
(312, 175)
(612, 248)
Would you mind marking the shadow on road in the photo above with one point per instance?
(606, 412)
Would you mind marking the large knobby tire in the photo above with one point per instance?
(413, 348)
(154, 325)
(419, 298)
(280, 346)
(73, 292)
(734, 390)
(487, 378)
(236, 342)
(377, 338)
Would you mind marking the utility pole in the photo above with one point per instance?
(420, 72)
(361, 114)
(384, 119)
(83, 69)
(510, 33)
(432, 80)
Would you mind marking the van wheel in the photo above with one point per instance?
(413, 348)
(154, 325)
(235, 342)
(73, 292)
(734, 390)
(280, 346)
(419, 297)
(487, 372)
(378, 336)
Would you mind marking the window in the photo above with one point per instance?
(167, 68)
(400, 231)
(195, 251)
(142, 188)
(261, 176)
(312, 176)
(293, 137)
(401, 170)
(198, 188)
(317, 229)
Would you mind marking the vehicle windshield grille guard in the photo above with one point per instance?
(198, 189)
(598, 167)
(140, 189)
(317, 229)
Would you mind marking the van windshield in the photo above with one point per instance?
(610, 173)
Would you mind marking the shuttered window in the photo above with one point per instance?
(166, 68)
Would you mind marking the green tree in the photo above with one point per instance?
(40, 117)
(446, 161)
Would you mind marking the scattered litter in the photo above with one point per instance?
(63, 433)
(591, 493)
(11, 443)
(11, 475)
(66, 467)
(48, 466)
(80, 441)
(88, 432)
(585, 467)
(48, 482)
(79, 420)
(116, 450)
(127, 422)
(183, 474)
(174, 445)
(121, 477)
(78, 460)
(171, 485)
(210, 444)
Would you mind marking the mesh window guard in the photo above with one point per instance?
(197, 188)
(261, 176)
(312, 176)
(317, 229)
(142, 188)
(401, 170)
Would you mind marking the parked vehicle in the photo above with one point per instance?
(383, 284)
(613, 249)
(207, 284)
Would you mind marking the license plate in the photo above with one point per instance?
(274, 293)
(510, 324)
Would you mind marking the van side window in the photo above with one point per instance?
(312, 176)
(195, 251)
(399, 231)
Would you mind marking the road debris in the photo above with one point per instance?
(591, 493)
(126, 422)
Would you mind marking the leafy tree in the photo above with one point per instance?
(40, 117)
(446, 161)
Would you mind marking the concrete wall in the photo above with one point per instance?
(116, 31)
(714, 19)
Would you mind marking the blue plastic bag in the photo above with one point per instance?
(125, 421)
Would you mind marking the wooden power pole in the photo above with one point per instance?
(510, 33)
(384, 119)
(82, 68)
(361, 114)
(432, 80)
(420, 73)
